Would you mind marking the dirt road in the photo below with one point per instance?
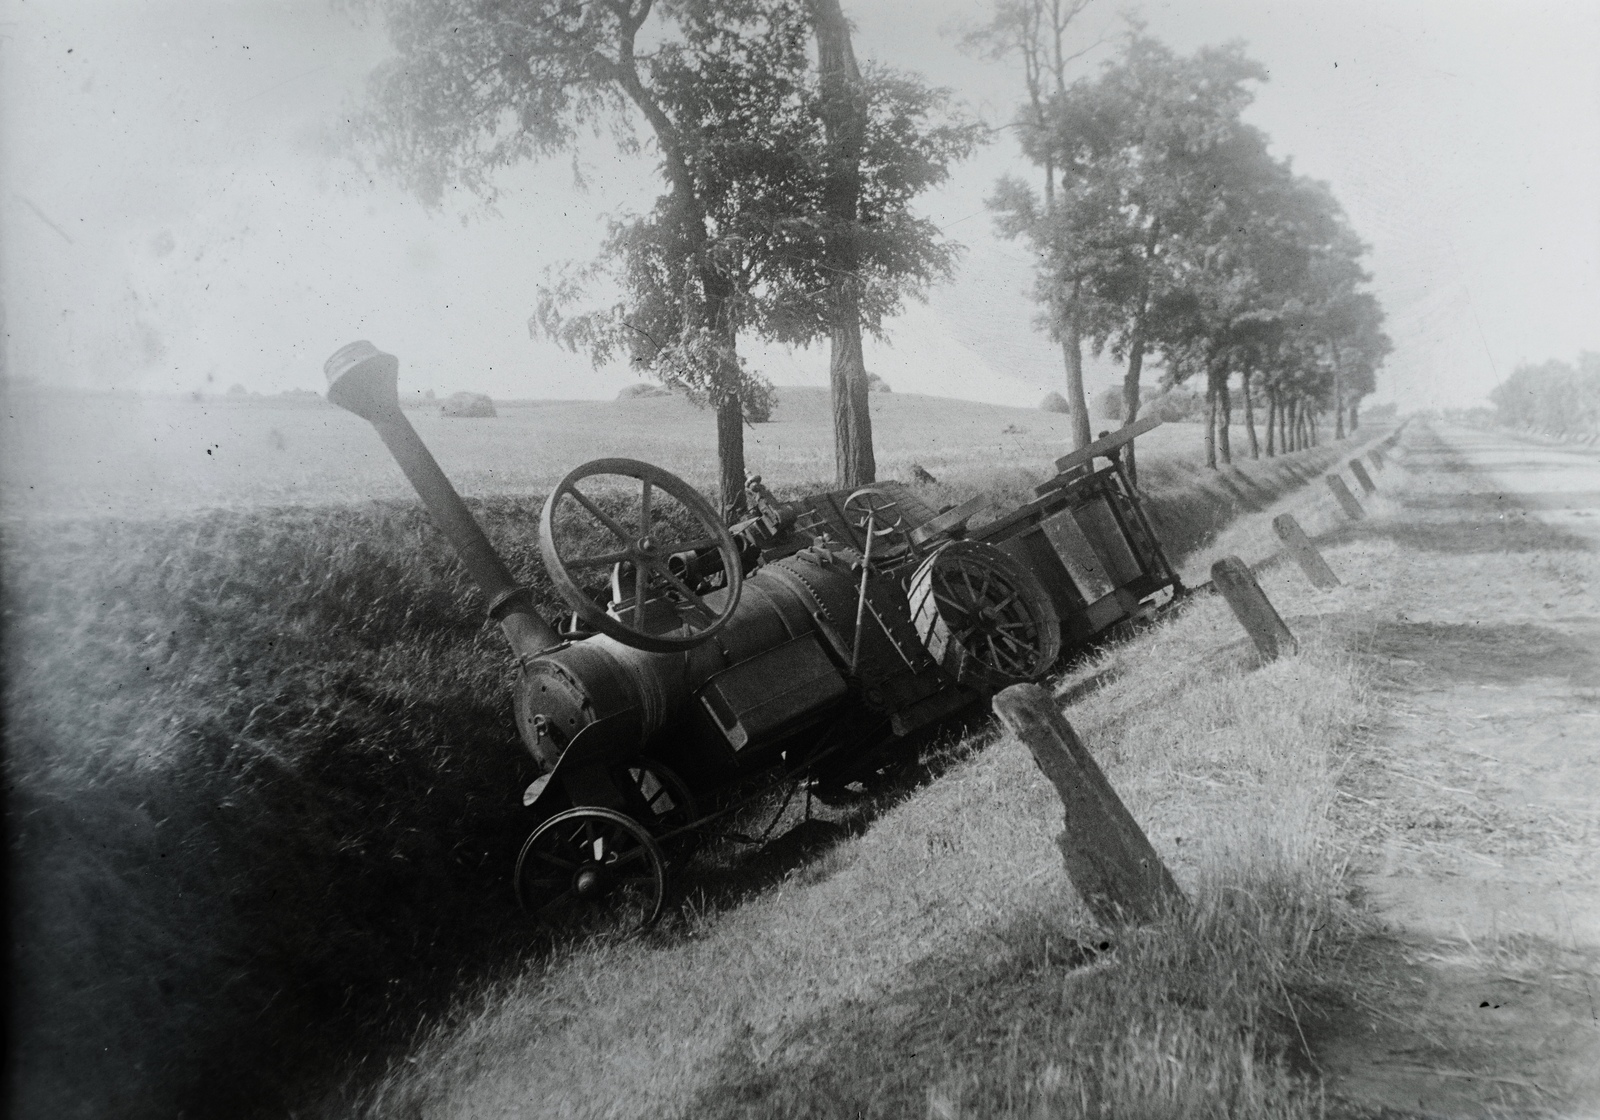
(1480, 789)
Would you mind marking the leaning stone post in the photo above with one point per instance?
(1255, 612)
(1367, 485)
(1109, 859)
(1347, 500)
(1304, 552)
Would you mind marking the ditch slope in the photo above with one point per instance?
(262, 789)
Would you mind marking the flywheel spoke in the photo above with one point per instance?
(552, 858)
(555, 904)
(683, 589)
(601, 515)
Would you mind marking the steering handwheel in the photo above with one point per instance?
(645, 539)
(882, 510)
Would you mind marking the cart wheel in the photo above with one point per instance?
(645, 541)
(983, 617)
(665, 803)
(888, 519)
(589, 857)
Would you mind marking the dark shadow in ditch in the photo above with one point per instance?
(498, 942)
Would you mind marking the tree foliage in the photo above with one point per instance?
(1554, 398)
(722, 91)
(1176, 235)
(1034, 32)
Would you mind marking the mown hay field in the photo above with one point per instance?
(126, 456)
(263, 780)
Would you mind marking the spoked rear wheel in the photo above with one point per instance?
(983, 617)
(590, 860)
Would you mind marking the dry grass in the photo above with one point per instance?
(936, 964)
(263, 794)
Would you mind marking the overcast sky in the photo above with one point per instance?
(177, 212)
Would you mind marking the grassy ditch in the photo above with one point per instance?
(263, 780)
(940, 964)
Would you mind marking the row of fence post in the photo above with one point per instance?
(1109, 859)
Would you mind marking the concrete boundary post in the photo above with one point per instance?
(1377, 458)
(1304, 552)
(1109, 859)
(1255, 612)
(1352, 508)
(1367, 485)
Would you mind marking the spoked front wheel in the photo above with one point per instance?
(590, 860)
(664, 803)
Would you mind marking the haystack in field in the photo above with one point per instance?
(643, 389)
(1054, 402)
(467, 405)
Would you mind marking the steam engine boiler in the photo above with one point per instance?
(805, 642)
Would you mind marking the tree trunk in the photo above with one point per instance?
(1355, 416)
(1072, 354)
(1249, 414)
(844, 118)
(726, 400)
(1224, 442)
(1272, 422)
(853, 460)
(1130, 398)
(1338, 391)
(1211, 423)
(730, 457)
(1136, 344)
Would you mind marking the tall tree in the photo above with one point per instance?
(739, 99)
(750, 215)
(844, 118)
(762, 158)
(478, 85)
(1034, 32)
(1142, 147)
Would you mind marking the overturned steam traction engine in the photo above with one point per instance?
(704, 662)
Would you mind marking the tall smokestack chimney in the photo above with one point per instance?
(364, 380)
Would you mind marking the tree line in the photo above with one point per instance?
(1165, 232)
(1554, 398)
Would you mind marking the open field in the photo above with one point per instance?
(124, 456)
(264, 777)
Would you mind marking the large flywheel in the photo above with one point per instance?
(983, 617)
(635, 540)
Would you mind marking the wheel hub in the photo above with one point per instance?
(588, 882)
